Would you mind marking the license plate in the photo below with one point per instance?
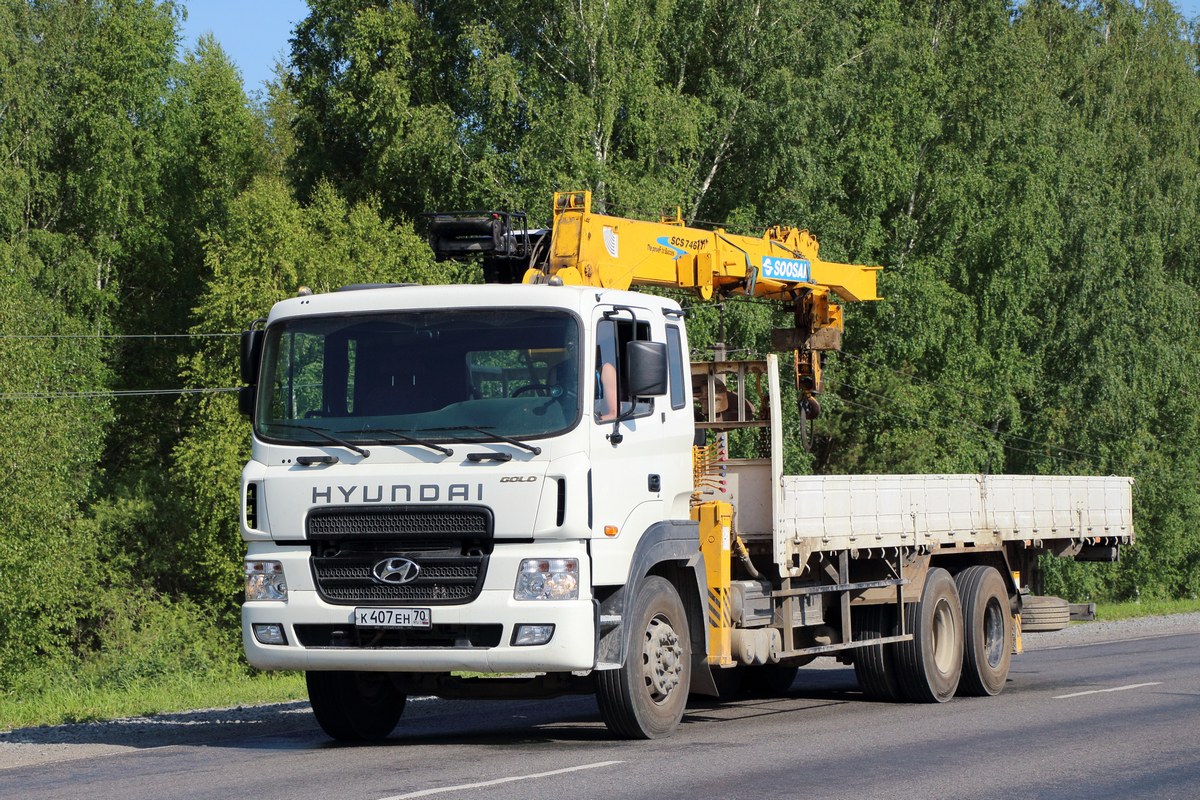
(392, 617)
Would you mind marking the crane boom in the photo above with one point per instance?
(616, 253)
(784, 264)
(591, 249)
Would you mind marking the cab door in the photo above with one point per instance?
(628, 448)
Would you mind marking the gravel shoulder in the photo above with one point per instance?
(25, 747)
(1084, 633)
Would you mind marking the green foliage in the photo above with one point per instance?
(1028, 174)
(368, 114)
(147, 653)
(1151, 608)
(270, 248)
(58, 699)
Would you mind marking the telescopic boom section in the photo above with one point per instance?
(784, 264)
(616, 253)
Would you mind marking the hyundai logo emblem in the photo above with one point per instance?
(396, 571)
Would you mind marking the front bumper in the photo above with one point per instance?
(475, 636)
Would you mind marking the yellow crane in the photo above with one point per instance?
(784, 264)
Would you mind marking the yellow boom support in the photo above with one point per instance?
(784, 264)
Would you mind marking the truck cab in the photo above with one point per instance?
(460, 478)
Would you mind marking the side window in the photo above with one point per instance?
(675, 365)
(606, 371)
(612, 385)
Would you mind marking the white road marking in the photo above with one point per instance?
(497, 781)
(1114, 689)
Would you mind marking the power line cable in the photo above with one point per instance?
(1058, 452)
(113, 393)
(1043, 414)
(115, 335)
(925, 425)
(984, 428)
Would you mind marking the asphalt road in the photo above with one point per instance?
(1100, 720)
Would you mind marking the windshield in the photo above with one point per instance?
(460, 375)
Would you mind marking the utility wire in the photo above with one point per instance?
(916, 378)
(112, 393)
(925, 424)
(1058, 452)
(984, 428)
(1043, 414)
(115, 335)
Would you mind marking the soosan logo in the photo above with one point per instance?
(786, 269)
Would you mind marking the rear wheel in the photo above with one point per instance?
(355, 706)
(645, 698)
(987, 631)
(929, 665)
(874, 664)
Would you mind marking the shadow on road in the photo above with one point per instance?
(198, 727)
(291, 726)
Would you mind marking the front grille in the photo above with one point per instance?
(459, 637)
(450, 545)
(346, 577)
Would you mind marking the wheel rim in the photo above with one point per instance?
(944, 637)
(662, 659)
(994, 640)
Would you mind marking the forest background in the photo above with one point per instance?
(1026, 172)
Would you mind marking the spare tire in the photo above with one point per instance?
(1041, 614)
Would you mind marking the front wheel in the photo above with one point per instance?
(355, 706)
(645, 698)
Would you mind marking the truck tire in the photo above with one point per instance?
(987, 631)
(1042, 613)
(645, 698)
(874, 664)
(355, 706)
(929, 665)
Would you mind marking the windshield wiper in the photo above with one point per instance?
(446, 451)
(488, 432)
(362, 451)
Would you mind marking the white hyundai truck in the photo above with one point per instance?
(529, 490)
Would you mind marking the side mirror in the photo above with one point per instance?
(250, 355)
(647, 368)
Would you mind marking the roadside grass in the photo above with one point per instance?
(1144, 608)
(61, 700)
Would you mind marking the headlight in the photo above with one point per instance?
(264, 581)
(548, 579)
